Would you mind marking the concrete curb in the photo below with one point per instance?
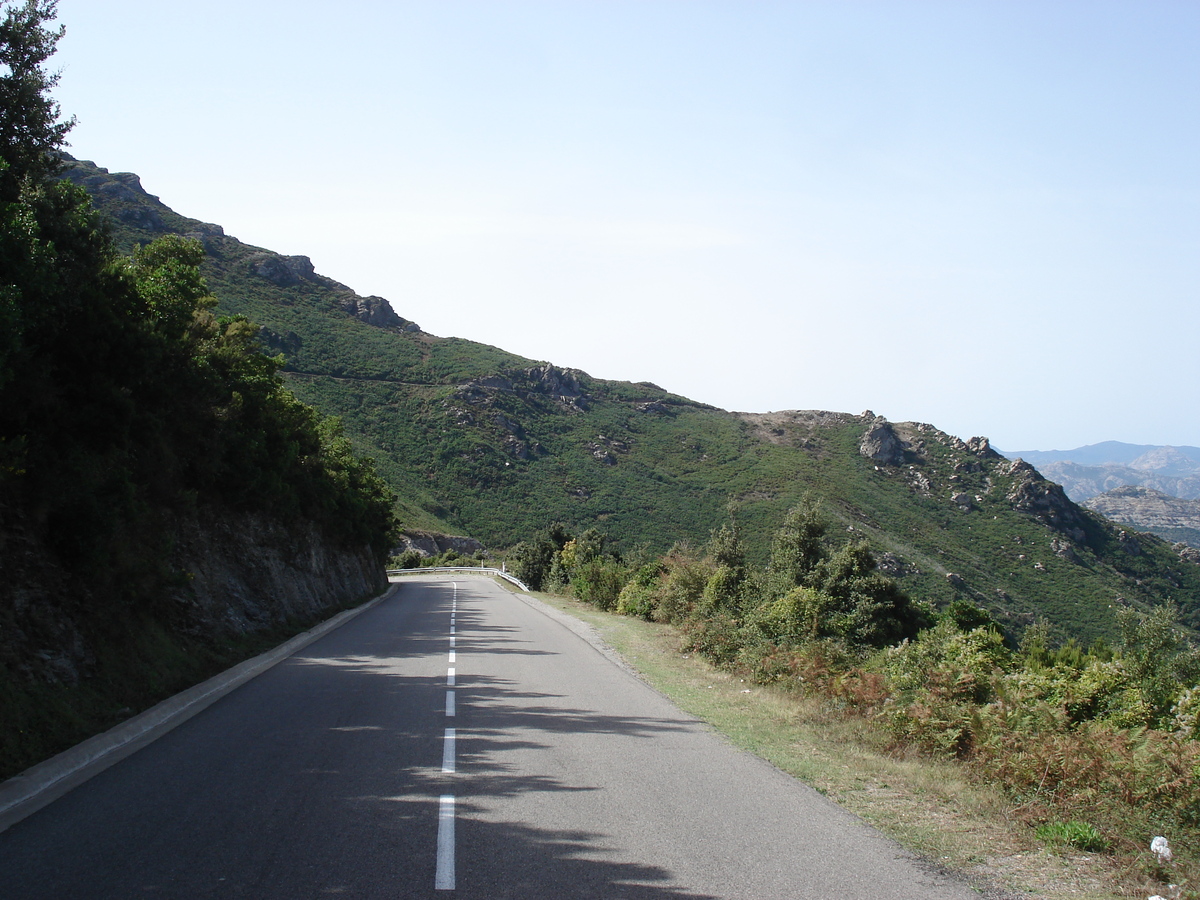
(38, 786)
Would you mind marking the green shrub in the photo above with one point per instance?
(599, 582)
(792, 619)
(941, 679)
(638, 596)
(681, 588)
(1074, 833)
(409, 559)
(716, 637)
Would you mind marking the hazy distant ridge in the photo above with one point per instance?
(1086, 472)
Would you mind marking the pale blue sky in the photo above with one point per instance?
(981, 215)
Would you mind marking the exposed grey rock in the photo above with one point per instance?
(142, 217)
(376, 311)
(962, 500)
(881, 444)
(124, 186)
(251, 572)
(240, 573)
(289, 271)
(1063, 550)
(561, 384)
(1129, 543)
(921, 483)
(654, 406)
(282, 271)
(894, 566)
(431, 543)
(601, 453)
(982, 447)
(1044, 500)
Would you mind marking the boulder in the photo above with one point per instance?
(881, 444)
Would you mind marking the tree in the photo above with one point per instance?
(726, 587)
(30, 130)
(1157, 654)
(798, 548)
(867, 608)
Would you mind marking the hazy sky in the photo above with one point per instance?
(983, 215)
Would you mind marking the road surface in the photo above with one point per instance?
(456, 740)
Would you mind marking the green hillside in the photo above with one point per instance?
(478, 441)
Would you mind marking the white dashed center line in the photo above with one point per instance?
(444, 877)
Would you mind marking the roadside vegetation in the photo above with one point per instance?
(1094, 750)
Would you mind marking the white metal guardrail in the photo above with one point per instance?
(466, 570)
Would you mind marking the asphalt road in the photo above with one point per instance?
(455, 740)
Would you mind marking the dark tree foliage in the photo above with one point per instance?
(122, 397)
(867, 608)
(30, 130)
(530, 561)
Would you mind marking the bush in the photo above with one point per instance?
(940, 680)
(792, 619)
(599, 582)
(681, 586)
(409, 559)
(638, 596)
(717, 637)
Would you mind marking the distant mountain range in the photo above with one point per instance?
(1086, 472)
(1154, 488)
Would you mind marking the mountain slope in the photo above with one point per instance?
(479, 441)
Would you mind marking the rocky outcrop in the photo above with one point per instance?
(881, 443)
(283, 271)
(1042, 499)
(376, 311)
(249, 573)
(290, 271)
(429, 543)
(981, 447)
(563, 386)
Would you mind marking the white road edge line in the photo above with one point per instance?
(444, 877)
